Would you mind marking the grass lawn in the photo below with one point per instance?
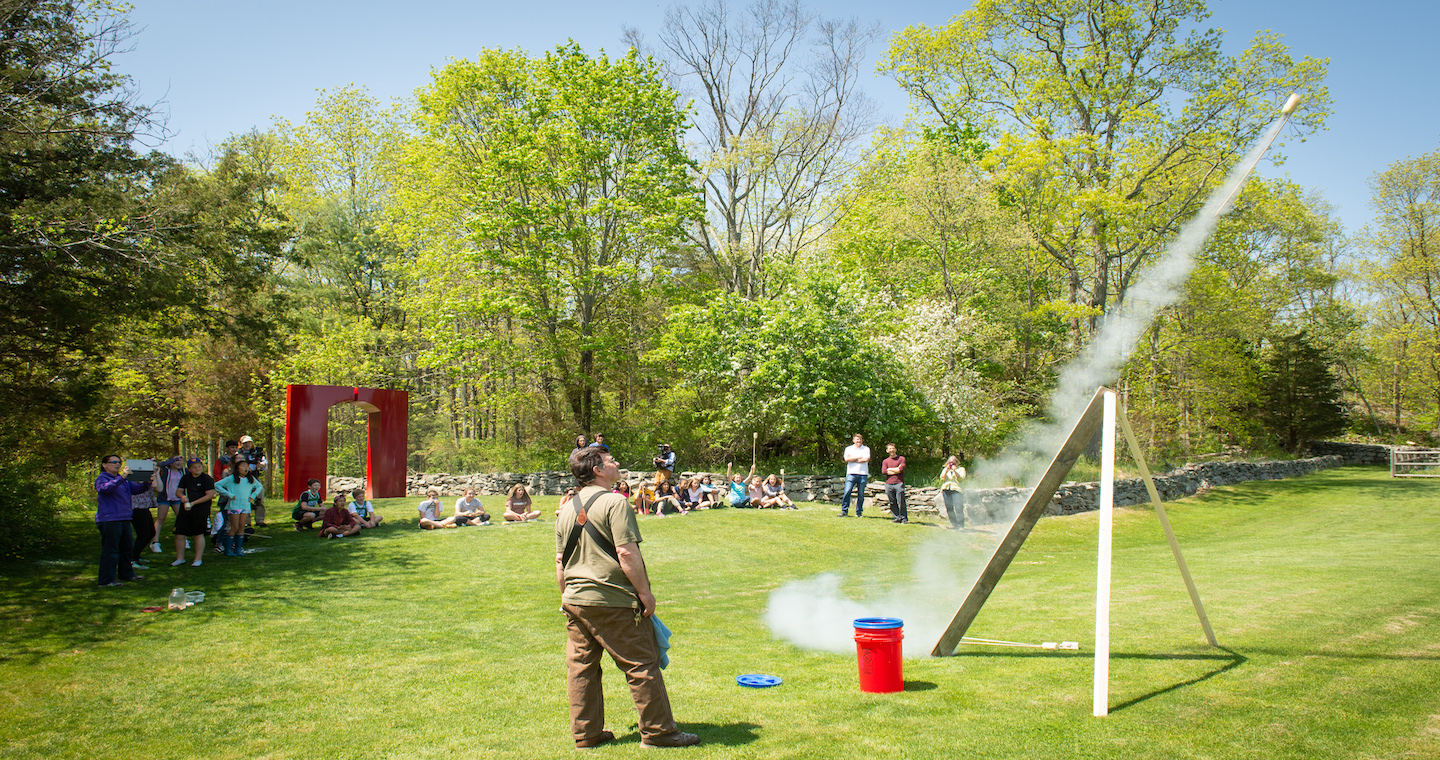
(1324, 591)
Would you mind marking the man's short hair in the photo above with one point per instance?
(583, 463)
(228, 444)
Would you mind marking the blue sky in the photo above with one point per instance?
(222, 68)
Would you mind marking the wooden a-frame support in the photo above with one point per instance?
(1080, 435)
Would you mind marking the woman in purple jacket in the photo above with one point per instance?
(112, 516)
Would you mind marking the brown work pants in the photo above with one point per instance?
(594, 631)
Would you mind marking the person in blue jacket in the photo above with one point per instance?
(113, 514)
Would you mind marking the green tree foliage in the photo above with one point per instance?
(1405, 275)
(77, 231)
(1109, 125)
(550, 193)
(1299, 396)
(803, 367)
(1270, 267)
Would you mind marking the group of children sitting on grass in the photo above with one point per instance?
(658, 497)
(469, 511)
(661, 497)
(340, 519)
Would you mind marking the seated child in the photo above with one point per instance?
(689, 493)
(517, 505)
(739, 494)
(307, 511)
(338, 522)
(668, 499)
(468, 510)
(709, 495)
(623, 489)
(644, 497)
(756, 493)
(431, 509)
(775, 492)
(363, 510)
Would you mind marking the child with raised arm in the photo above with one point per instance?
(739, 494)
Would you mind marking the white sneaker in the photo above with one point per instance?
(155, 547)
(187, 543)
(177, 563)
(196, 563)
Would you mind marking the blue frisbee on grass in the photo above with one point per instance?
(758, 681)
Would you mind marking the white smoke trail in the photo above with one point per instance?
(1099, 363)
(814, 613)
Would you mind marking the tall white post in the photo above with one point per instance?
(1101, 698)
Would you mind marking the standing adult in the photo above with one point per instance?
(664, 464)
(600, 441)
(192, 518)
(113, 514)
(893, 468)
(857, 472)
(606, 597)
(579, 444)
(258, 463)
(166, 482)
(951, 494)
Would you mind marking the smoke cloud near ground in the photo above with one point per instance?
(815, 613)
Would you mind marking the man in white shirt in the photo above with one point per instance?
(857, 471)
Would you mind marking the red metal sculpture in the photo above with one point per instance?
(307, 431)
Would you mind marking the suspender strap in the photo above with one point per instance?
(573, 540)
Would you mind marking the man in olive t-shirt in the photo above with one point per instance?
(607, 604)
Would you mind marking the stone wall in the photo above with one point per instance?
(1355, 453)
(982, 505)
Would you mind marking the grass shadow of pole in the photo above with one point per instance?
(1234, 659)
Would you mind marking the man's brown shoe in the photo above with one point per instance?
(677, 739)
(602, 738)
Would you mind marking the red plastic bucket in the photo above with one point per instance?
(877, 648)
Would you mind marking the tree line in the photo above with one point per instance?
(704, 237)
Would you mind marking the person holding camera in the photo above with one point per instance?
(113, 516)
(664, 464)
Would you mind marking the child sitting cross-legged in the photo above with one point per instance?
(338, 522)
(363, 510)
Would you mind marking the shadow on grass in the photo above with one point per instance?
(920, 686)
(1235, 661)
(50, 604)
(1231, 660)
(724, 734)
